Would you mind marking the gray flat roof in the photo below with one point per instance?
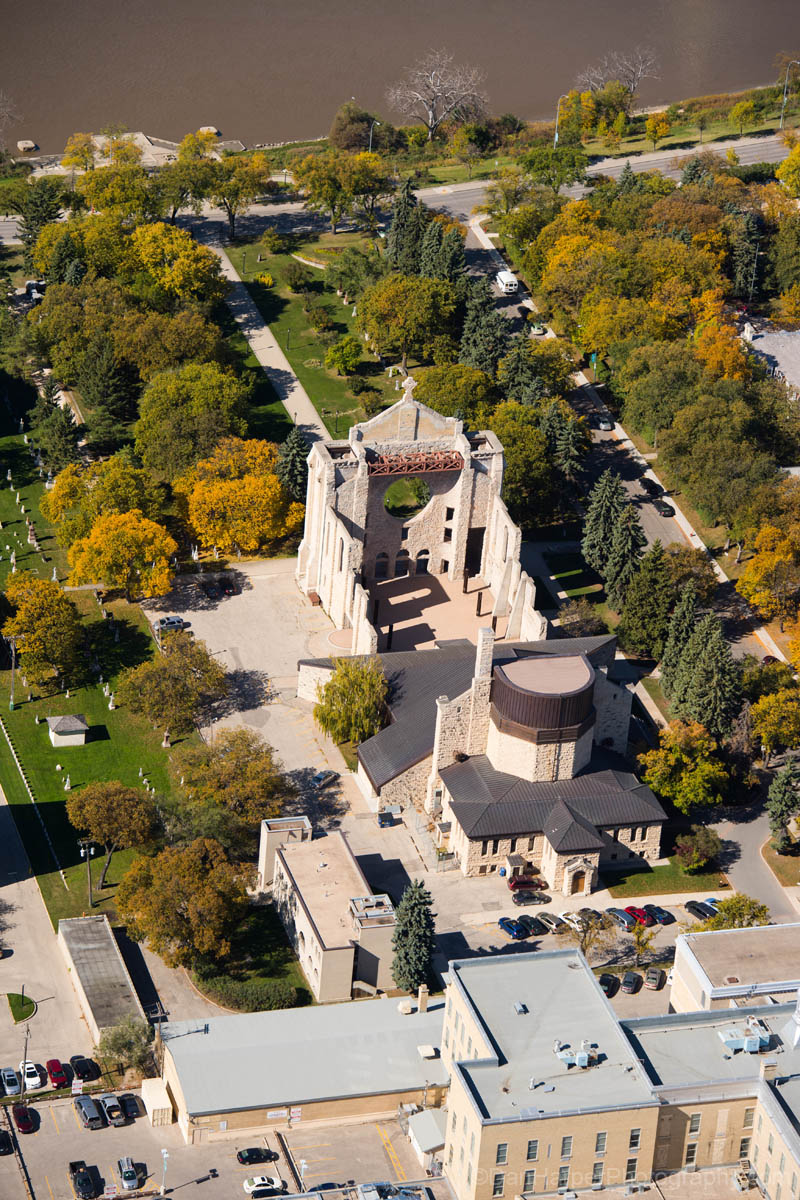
(730, 958)
(781, 348)
(300, 1055)
(563, 1002)
(98, 963)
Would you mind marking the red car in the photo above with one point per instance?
(525, 881)
(56, 1073)
(639, 915)
(23, 1117)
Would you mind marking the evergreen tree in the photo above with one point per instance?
(55, 433)
(413, 940)
(418, 222)
(38, 206)
(744, 253)
(606, 502)
(292, 468)
(519, 378)
(645, 618)
(627, 181)
(714, 694)
(571, 447)
(485, 336)
(430, 250)
(109, 391)
(681, 627)
(64, 255)
(452, 263)
(627, 543)
(75, 272)
(684, 670)
(397, 233)
(783, 803)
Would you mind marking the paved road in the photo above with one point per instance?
(748, 830)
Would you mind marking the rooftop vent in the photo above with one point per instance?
(733, 979)
(519, 1008)
(427, 1051)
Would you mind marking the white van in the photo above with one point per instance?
(506, 282)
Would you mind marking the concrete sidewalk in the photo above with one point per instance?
(288, 388)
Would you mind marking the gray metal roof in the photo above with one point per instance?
(71, 723)
(490, 803)
(100, 968)
(299, 1055)
(417, 678)
(567, 831)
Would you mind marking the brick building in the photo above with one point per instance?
(514, 752)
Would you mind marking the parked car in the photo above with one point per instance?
(711, 902)
(553, 922)
(168, 624)
(526, 896)
(211, 589)
(129, 1105)
(254, 1155)
(81, 1179)
(650, 486)
(640, 915)
(112, 1109)
(699, 910)
(324, 779)
(620, 917)
(10, 1081)
(573, 919)
(609, 984)
(663, 509)
(513, 928)
(631, 982)
(23, 1117)
(263, 1183)
(534, 926)
(662, 916)
(6, 1144)
(88, 1112)
(56, 1073)
(602, 422)
(526, 881)
(654, 978)
(228, 585)
(129, 1176)
(29, 1073)
(83, 1068)
(591, 914)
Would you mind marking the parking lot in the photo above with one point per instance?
(341, 1154)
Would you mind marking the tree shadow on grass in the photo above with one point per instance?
(118, 644)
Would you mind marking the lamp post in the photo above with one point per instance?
(87, 852)
(302, 1165)
(558, 114)
(13, 644)
(165, 1158)
(794, 63)
(372, 126)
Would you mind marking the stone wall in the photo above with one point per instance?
(629, 844)
(309, 678)
(544, 761)
(407, 789)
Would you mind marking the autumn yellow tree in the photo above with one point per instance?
(79, 152)
(771, 579)
(789, 172)
(657, 127)
(716, 342)
(45, 626)
(234, 499)
(80, 494)
(186, 271)
(126, 551)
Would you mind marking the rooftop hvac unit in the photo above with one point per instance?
(426, 1051)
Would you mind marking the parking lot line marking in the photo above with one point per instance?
(390, 1150)
(50, 1190)
(75, 1115)
(55, 1122)
(310, 1145)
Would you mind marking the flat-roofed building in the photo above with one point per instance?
(97, 969)
(341, 933)
(258, 1071)
(723, 968)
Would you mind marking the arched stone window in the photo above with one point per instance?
(401, 564)
(423, 558)
(381, 565)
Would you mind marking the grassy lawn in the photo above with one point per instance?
(685, 136)
(306, 348)
(260, 952)
(785, 867)
(11, 263)
(572, 574)
(266, 416)
(630, 882)
(653, 688)
(21, 1007)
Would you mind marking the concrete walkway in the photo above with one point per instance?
(288, 388)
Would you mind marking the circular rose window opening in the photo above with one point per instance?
(406, 497)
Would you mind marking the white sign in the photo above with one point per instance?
(77, 1087)
(111, 1190)
(274, 1114)
(296, 1114)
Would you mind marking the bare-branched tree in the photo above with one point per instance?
(437, 89)
(629, 69)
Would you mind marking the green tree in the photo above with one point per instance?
(532, 372)
(458, 391)
(783, 803)
(681, 627)
(324, 181)
(451, 263)
(776, 721)
(555, 168)
(529, 484)
(627, 543)
(763, 678)
(38, 202)
(185, 903)
(486, 332)
(684, 768)
(128, 1044)
(184, 413)
(714, 693)
(571, 444)
(351, 706)
(109, 391)
(696, 849)
(606, 501)
(690, 564)
(414, 937)
(235, 183)
(743, 113)
(116, 816)
(171, 690)
(45, 625)
(642, 941)
(656, 381)
(54, 429)
(645, 616)
(344, 355)
(403, 235)
(738, 912)
(430, 250)
(406, 314)
(709, 626)
(292, 465)
(579, 618)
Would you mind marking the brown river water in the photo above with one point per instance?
(271, 70)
